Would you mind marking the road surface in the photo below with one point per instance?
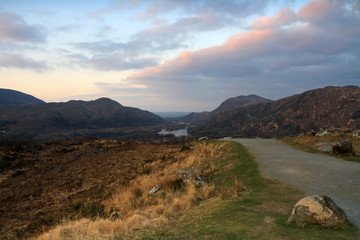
(312, 173)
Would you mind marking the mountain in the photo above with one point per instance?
(329, 107)
(171, 114)
(12, 97)
(237, 102)
(62, 120)
(229, 104)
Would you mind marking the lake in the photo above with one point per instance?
(176, 133)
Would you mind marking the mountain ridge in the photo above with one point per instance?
(63, 120)
(331, 107)
(228, 104)
(13, 97)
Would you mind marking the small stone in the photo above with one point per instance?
(154, 189)
(267, 220)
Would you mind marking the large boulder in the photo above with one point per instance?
(343, 147)
(320, 210)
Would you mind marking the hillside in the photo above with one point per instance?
(99, 189)
(12, 97)
(328, 108)
(73, 118)
(229, 104)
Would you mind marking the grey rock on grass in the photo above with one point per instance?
(320, 210)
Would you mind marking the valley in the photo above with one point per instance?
(84, 169)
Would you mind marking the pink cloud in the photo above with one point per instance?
(237, 47)
(320, 10)
(284, 17)
(288, 46)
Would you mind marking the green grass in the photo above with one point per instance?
(243, 216)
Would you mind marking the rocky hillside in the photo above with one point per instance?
(330, 107)
(229, 104)
(12, 97)
(73, 118)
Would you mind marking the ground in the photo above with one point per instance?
(98, 189)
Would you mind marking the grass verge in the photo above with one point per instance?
(308, 144)
(259, 211)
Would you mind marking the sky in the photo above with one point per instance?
(177, 55)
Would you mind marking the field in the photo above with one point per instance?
(99, 189)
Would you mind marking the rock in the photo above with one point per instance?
(185, 176)
(268, 222)
(203, 138)
(320, 210)
(323, 133)
(189, 176)
(343, 147)
(324, 146)
(154, 189)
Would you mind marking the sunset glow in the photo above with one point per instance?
(177, 55)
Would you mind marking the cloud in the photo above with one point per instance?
(157, 38)
(283, 18)
(278, 56)
(190, 18)
(110, 55)
(153, 9)
(68, 27)
(101, 46)
(226, 9)
(118, 62)
(109, 62)
(14, 28)
(22, 62)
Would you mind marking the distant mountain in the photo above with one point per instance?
(171, 114)
(12, 97)
(330, 108)
(229, 104)
(62, 120)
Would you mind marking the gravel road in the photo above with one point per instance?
(312, 173)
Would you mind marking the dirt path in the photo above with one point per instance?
(312, 173)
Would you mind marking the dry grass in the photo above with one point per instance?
(132, 208)
(309, 144)
(239, 187)
(313, 140)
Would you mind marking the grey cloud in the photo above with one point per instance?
(157, 38)
(9, 46)
(109, 62)
(233, 9)
(118, 62)
(101, 46)
(201, 16)
(273, 62)
(22, 62)
(68, 28)
(109, 55)
(14, 28)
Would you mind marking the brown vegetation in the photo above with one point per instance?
(333, 108)
(312, 141)
(97, 188)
